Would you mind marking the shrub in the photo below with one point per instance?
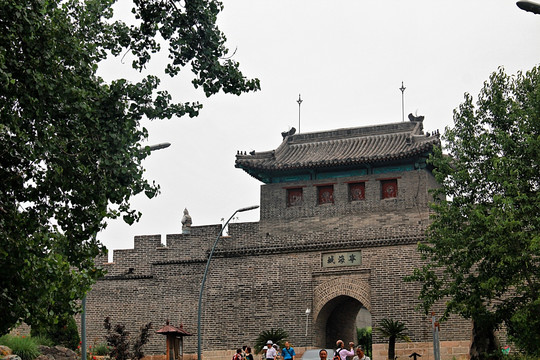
(64, 332)
(276, 335)
(118, 340)
(23, 346)
(43, 340)
(101, 350)
(364, 337)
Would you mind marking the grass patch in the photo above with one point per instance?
(101, 350)
(24, 346)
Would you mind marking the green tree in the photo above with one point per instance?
(70, 143)
(64, 332)
(364, 338)
(392, 330)
(483, 246)
(277, 336)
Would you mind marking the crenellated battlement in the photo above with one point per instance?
(341, 211)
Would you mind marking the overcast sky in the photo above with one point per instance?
(347, 59)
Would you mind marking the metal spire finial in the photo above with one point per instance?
(402, 88)
(299, 101)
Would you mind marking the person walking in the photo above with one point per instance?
(342, 352)
(249, 355)
(323, 355)
(360, 354)
(288, 352)
(238, 355)
(271, 352)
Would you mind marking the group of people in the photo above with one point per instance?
(243, 354)
(344, 354)
(271, 352)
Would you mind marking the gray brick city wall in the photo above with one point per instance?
(266, 274)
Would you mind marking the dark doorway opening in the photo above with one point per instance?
(337, 320)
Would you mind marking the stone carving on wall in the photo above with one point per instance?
(186, 222)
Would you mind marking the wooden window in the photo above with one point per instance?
(325, 194)
(357, 191)
(389, 189)
(294, 197)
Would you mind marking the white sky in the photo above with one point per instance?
(347, 58)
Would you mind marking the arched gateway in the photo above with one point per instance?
(341, 214)
(336, 304)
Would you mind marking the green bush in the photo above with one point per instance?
(277, 336)
(364, 337)
(43, 340)
(23, 346)
(64, 332)
(101, 350)
(524, 329)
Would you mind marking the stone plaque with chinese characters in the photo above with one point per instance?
(346, 258)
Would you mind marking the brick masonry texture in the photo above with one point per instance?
(266, 274)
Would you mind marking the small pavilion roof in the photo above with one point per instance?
(342, 147)
(169, 329)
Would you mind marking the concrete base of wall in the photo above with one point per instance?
(449, 350)
(222, 355)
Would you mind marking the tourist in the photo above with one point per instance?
(323, 354)
(238, 355)
(271, 352)
(360, 354)
(342, 352)
(288, 352)
(249, 356)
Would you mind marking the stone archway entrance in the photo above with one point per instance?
(336, 306)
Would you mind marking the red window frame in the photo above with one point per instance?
(295, 197)
(325, 194)
(357, 191)
(389, 189)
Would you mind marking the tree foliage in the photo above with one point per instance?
(70, 143)
(64, 332)
(483, 246)
(392, 330)
(277, 336)
(364, 339)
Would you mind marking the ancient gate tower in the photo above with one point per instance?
(341, 213)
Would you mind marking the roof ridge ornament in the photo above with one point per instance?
(284, 134)
(416, 118)
(299, 101)
(402, 88)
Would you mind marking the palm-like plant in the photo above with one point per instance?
(392, 330)
(277, 336)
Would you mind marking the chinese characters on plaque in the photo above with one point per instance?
(346, 258)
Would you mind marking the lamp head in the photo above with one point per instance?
(529, 6)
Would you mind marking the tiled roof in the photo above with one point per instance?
(343, 147)
(169, 329)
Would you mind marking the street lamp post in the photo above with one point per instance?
(206, 271)
(308, 311)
